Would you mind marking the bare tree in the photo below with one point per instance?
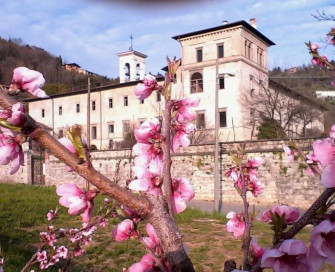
(202, 136)
(287, 112)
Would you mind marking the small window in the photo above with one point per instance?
(93, 105)
(200, 120)
(220, 51)
(221, 82)
(60, 134)
(126, 126)
(43, 113)
(158, 97)
(94, 132)
(60, 110)
(223, 119)
(196, 83)
(111, 128)
(199, 54)
(141, 101)
(110, 102)
(77, 107)
(125, 101)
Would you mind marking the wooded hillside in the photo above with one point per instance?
(13, 53)
(305, 79)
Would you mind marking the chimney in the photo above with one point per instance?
(253, 22)
(224, 22)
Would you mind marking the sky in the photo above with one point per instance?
(92, 32)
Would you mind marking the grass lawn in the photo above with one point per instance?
(22, 217)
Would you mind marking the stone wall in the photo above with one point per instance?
(285, 182)
(23, 175)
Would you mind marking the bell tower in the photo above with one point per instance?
(131, 66)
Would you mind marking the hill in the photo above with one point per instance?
(307, 79)
(13, 53)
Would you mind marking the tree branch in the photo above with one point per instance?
(167, 180)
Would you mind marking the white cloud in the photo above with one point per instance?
(91, 33)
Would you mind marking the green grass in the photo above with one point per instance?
(190, 214)
(23, 211)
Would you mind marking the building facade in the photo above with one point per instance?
(218, 65)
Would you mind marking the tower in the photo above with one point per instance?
(131, 65)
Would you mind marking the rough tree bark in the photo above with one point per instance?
(148, 207)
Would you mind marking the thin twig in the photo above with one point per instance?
(167, 180)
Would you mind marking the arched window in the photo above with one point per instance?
(196, 83)
(260, 56)
(127, 71)
(248, 49)
(138, 68)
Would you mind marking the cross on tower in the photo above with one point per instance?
(131, 42)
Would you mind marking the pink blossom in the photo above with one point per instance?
(324, 153)
(322, 244)
(15, 116)
(255, 162)
(291, 213)
(75, 235)
(236, 224)
(148, 131)
(146, 264)
(146, 153)
(147, 182)
(87, 231)
(320, 61)
(183, 107)
(254, 186)
(29, 81)
(152, 241)
(332, 132)
(103, 222)
(61, 232)
(249, 177)
(289, 152)
(68, 144)
(48, 238)
(136, 218)
(289, 257)
(144, 90)
(51, 214)
(234, 173)
(41, 256)
(150, 80)
(314, 47)
(181, 136)
(86, 240)
(124, 230)
(78, 251)
(106, 200)
(76, 200)
(256, 251)
(182, 192)
(62, 252)
(11, 149)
